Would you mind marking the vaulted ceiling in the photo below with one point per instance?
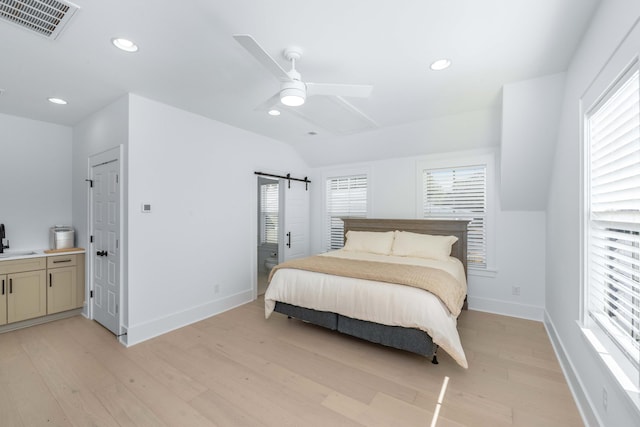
(188, 58)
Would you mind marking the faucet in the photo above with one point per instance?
(2, 236)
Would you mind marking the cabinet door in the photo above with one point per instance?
(4, 284)
(61, 291)
(27, 297)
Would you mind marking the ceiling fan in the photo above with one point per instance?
(293, 91)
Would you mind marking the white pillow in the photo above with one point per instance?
(422, 245)
(377, 242)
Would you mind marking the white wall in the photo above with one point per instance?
(586, 374)
(194, 255)
(519, 236)
(35, 180)
(530, 117)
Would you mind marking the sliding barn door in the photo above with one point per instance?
(294, 230)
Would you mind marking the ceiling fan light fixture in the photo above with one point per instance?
(291, 100)
(293, 93)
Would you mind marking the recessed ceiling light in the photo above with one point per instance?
(124, 44)
(274, 112)
(440, 64)
(58, 101)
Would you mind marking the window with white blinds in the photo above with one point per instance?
(345, 196)
(269, 213)
(612, 134)
(460, 192)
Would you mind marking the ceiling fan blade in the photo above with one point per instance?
(269, 103)
(356, 91)
(357, 112)
(333, 114)
(251, 45)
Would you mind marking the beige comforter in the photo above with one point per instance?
(436, 281)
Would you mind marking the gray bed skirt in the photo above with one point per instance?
(409, 339)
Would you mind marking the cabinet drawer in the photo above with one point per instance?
(61, 261)
(25, 264)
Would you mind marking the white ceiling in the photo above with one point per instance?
(189, 59)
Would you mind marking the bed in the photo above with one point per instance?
(376, 308)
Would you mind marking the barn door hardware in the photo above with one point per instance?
(288, 177)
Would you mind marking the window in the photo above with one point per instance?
(612, 225)
(460, 192)
(346, 196)
(269, 213)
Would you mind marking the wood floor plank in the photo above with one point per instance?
(25, 389)
(219, 410)
(473, 409)
(125, 408)
(281, 403)
(114, 357)
(79, 404)
(184, 386)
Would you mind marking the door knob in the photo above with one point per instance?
(101, 253)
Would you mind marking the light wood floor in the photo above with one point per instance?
(238, 369)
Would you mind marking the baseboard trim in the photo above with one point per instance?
(39, 320)
(589, 417)
(145, 331)
(507, 308)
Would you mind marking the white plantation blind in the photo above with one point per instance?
(460, 193)
(613, 276)
(346, 196)
(269, 213)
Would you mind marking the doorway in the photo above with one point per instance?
(268, 228)
(105, 231)
(283, 224)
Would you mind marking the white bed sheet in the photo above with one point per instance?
(385, 303)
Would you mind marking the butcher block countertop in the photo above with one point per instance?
(34, 253)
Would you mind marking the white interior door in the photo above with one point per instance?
(294, 237)
(105, 249)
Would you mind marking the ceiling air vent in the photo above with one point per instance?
(44, 17)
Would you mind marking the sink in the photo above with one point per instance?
(11, 254)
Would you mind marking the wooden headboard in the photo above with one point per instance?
(436, 227)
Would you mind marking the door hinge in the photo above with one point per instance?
(117, 179)
(90, 294)
(90, 239)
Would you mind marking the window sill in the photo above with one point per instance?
(616, 365)
(482, 273)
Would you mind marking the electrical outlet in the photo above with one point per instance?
(515, 290)
(605, 398)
